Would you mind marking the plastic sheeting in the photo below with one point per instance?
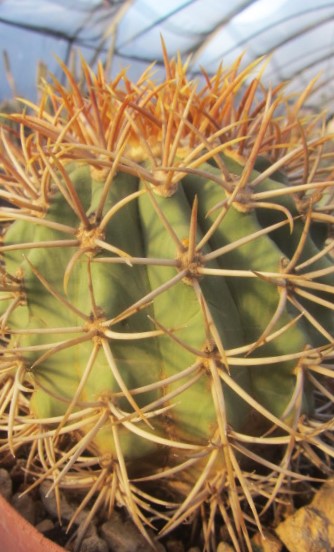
(299, 36)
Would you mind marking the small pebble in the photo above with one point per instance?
(174, 546)
(94, 544)
(6, 486)
(123, 536)
(41, 513)
(224, 547)
(85, 532)
(25, 506)
(67, 510)
(45, 525)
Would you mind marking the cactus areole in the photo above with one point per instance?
(167, 294)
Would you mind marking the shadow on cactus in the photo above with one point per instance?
(167, 295)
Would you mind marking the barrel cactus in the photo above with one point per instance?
(167, 295)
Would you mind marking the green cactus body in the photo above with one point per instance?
(151, 326)
(257, 299)
(310, 250)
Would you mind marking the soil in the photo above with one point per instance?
(119, 534)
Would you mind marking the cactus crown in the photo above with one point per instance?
(166, 294)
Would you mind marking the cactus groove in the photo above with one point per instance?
(167, 295)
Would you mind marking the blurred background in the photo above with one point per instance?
(298, 35)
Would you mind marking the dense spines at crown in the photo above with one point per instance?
(166, 298)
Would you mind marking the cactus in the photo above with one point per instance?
(166, 295)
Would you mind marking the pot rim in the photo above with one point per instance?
(18, 535)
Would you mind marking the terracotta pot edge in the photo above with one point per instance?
(18, 535)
